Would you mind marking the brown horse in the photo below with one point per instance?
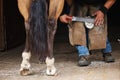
(40, 18)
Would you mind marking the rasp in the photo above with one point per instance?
(82, 19)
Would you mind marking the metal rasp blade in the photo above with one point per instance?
(81, 19)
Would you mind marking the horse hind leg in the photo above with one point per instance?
(54, 12)
(25, 65)
(26, 55)
(51, 70)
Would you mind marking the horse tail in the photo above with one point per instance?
(38, 28)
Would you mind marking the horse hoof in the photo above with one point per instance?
(51, 72)
(24, 72)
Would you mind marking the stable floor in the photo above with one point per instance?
(66, 64)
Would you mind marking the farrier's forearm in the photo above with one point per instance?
(109, 3)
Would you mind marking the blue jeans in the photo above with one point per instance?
(82, 50)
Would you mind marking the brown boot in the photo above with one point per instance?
(84, 61)
(108, 57)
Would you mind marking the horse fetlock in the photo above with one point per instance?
(49, 61)
(51, 70)
(25, 64)
(26, 55)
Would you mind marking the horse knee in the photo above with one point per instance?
(52, 22)
(27, 26)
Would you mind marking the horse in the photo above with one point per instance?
(40, 20)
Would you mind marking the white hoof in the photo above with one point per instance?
(51, 70)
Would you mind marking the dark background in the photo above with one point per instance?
(14, 31)
(114, 21)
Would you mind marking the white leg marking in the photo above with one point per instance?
(25, 65)
(51, 70)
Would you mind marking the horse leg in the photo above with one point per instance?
(26, 55)
(51, 70)
(54, 12)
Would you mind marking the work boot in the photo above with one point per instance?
(108, 57)
(84, 61)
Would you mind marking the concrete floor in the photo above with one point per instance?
(66, 64)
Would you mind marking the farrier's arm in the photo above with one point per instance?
(109, 3)
(99, 19)
(64, 17)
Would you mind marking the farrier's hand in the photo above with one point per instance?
(99, 19)
(65, 18)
